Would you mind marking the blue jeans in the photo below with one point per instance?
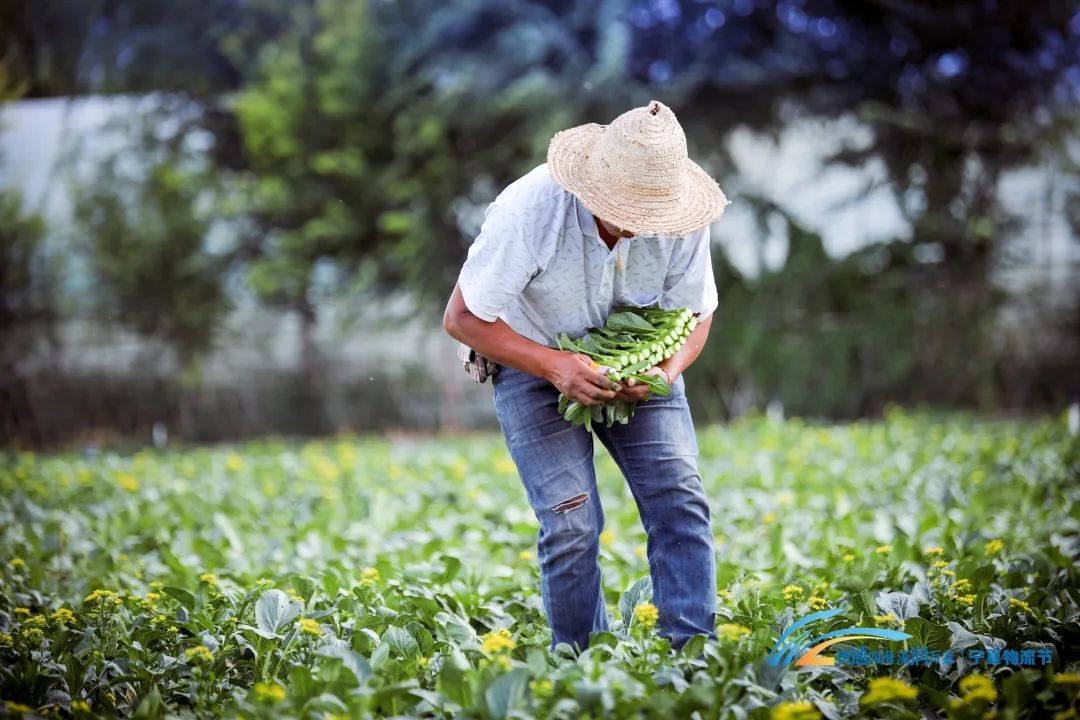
(657, 453)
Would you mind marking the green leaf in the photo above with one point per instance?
(454, 680)
(401, 642)
(380, 656)
(629, 322)
(451, 566)
(324, 704)
(274, 611)
(694, 647)
(639, 592)
(656, 384)
(150, 706)
(902, 605)
(926, 633)
(350, 659)
(185, 598)
(505, 693)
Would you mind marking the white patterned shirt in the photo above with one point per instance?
(540, 265)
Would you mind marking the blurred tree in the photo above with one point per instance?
(129, 46)
(362, 139)
(955, 95)
(147, 235)
(27, 313)
(27, 292)
(823, 337)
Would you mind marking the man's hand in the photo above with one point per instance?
(634, 391)
(574, 375)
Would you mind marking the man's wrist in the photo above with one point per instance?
(669, 374)
(545, 361)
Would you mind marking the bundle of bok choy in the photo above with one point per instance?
(631, 341)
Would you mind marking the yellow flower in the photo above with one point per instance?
(268, 692)
(18, 562)
(370, 574)
(525, 555)
(1069, 714)
(799, 710)
(994, 546)
(817, 602)
(541, 688)
(641, 552)
(497, 641)
(264, 581)
(35, 621)
(965, 599)
(311, 626)
(127, 482)
(1019, 604)
(208, 578)
(886, 619)
(199, 653)
(234, 463)
(977, 687)
(14, 707)
(732, 631)
(724, 593)
(848, 557)
(325, 469)
(888, 689)
(101, 595)
(6, 639)
(961, 585)
(883, 549)
(1066, 679)
(939, 564)
(768, 518)
(63, 615)
(80, 706)
(22, 611)
(607, 538)
(423, 660)
(646, 614)
(784, 497)
(33, 635)
(792, 592)
(933, 551)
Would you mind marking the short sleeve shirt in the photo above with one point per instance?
(540, 265)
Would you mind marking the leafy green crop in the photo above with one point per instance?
(631, 341)
(361, 577)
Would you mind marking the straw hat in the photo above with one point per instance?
(635, 173)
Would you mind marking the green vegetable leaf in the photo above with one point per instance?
(629, 322)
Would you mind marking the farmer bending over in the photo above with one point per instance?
(618, 215)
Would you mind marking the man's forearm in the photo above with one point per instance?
(695, 341)
(497, 341)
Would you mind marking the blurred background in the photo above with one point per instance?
(232, 218)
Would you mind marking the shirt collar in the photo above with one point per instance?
(585, 219)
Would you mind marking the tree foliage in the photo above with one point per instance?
(353, 145)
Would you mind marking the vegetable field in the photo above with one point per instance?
(358, 577)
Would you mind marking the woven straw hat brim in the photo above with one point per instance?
(702, 201)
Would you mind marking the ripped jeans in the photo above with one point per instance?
(657, 453)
